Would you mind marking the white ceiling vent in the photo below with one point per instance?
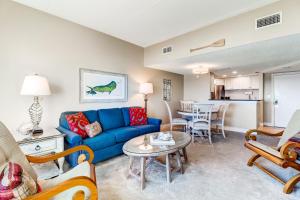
(167, 50)
(269, 20)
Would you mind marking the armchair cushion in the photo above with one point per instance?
(83, 169)
(15, 183)
(265, 148)
(10, 151)
(296, 139)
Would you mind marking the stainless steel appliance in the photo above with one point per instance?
(219, 92)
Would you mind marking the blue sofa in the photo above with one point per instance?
(115, 123)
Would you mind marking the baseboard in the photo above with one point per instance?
(166, 127)
(236, 129)
(268, 124)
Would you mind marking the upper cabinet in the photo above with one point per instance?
(254, 82)
(244, 82)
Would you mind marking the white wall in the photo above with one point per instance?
(197, 89)
(35, 42)
(239, 30)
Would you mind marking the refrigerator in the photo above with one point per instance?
(219, 92)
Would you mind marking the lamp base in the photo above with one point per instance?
(36, 131)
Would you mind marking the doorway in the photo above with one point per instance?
(286, 97)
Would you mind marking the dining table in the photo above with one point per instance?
(214, 110)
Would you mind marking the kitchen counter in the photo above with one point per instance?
(233, 100)
(242, 114)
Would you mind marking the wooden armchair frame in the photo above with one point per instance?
(89, 183)
(287, 153)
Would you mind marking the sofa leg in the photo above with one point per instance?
(252, 160)
(289, 186)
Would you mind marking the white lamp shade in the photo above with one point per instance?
(146, 88)
(35, 85)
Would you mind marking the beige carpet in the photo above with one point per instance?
(215, 172)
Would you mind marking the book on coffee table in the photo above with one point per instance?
(160, 140)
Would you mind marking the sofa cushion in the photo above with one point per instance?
(149, 128)
(91, 115)
(111, 118)
(100, 141)
(124, 134)
(138, 116)
(126, 115)
(93, 129)
(77, 123)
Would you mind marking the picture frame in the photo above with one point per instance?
(167, 89)
(99, 86)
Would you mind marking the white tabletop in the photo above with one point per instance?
(48, 133)
(135, 146)
(190, 114)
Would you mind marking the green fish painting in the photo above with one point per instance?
(102, 88)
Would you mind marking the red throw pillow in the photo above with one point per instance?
(138, 116)
(77, 123)
(15, 183)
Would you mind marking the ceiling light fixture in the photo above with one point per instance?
(200, 70)
(234, 72)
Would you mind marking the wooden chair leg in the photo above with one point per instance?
(289, 186)
(252, 160)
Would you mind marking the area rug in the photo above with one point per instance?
(214, 172)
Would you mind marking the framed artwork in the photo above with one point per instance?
(99, 86)
(167, 89)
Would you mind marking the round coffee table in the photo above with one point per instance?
(136, 148)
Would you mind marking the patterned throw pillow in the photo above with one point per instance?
(93, 129)
(77, 123)
(138, 116)
(15, 183)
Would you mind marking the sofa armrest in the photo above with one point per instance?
(154, 121)
(71, 137)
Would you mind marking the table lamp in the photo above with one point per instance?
(146, 89)
(36, 86)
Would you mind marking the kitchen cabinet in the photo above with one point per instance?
(228, 85)
(254, 82)
(243, 82)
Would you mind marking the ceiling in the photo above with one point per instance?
(275, 55)
(145, 22)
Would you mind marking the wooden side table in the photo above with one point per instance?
(51, 141)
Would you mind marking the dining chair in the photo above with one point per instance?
(219, 121)
(186, 106)
(201, 120)
(176, 121)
